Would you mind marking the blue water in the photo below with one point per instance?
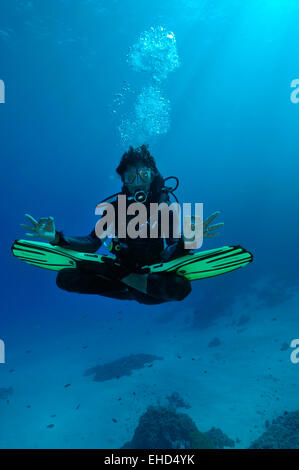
(232, 139)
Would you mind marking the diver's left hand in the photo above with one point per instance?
(44, 228)
(208, 231)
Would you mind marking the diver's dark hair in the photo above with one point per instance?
(134, 156)
(137, 155)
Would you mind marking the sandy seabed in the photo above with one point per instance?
(235, 385)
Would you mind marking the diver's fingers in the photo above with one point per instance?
(211, 218)
(47, 223)
(46, 219)
(214, 227)
(32, 234)
(26, 227)
(210, 235)
(43, 223)
(32, 220)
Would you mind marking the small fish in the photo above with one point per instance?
(77, 407)
(84, 347)
(53, 416)
(28, 406)
(114, 420)
(50, 426)
(5, 393)
(67, 385)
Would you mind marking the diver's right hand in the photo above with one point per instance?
(44, 228)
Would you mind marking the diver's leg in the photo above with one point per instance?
(168, 286)
(82, 282)
(162, 286)
(148, 289)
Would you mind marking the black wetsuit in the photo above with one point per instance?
(132, 254)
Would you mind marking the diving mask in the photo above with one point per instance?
(145, 176)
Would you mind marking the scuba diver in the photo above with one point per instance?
(121, 279)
